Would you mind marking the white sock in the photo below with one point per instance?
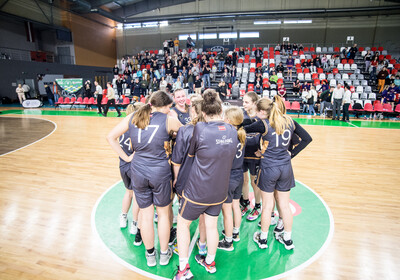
(210, 258)
(202, 244)
(182, 263)
(228, 239)
(164, 253)
(235, 230)
(280, 224)
(264, 235)
(287, 235)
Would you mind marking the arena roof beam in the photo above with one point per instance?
(145, 6)
(86, 7)
(395, 9)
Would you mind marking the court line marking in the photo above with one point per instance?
(278, 276)
(353, 125)
(320, 251)
(115, 256)
(55, 128)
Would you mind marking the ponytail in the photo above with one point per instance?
(278, 121)
(242, 136)
(196, 101)
(281, 104)
(142, 117)
(235, 116)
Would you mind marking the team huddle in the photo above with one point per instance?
(203, 153)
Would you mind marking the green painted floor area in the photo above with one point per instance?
(302, 121)
(311, 231)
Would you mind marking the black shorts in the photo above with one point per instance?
(125, 171)
(235, 186)
(150, 192)
(252, 165)
(191, 211)
(278, 178)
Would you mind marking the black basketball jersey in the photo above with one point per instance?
(239, 157)
(180, 155)
(183, 117)
(152, 147)
(213, 146)
(126, 145)
(275, 147)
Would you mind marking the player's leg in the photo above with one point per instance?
(254, 214)
(201, 243)
(183, 234)
(227, 242)
(147, 228)
(244, 203)
(287, 217)
(163, 234)
(212, 240)
(126, 204)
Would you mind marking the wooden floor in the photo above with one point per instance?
(48, 190)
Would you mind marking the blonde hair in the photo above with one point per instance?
(235, 116)
(278, 120)
(281, 104)
(196, 101)
(133, 107)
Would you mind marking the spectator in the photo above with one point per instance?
(311, 99)
(154, 86)
(234, 57)
(88, 89)
(98, 94)
(289, 65)
(274, 78)
(118, 83)
(144, 84)
(258, 55)
(50, 95)
(235, 92)
(189, 42)
(162, 71)
(221, 61)
(176, 45)
(346, 103)
(324, 62)
(111, 100)
(165, 45)
(116, 70)
(241, 52)
(393, 91)
(301, 48)
(280, 68)
(226, 77)
(163, 84)
(337, 98)
(190, 81)
(228, 60)
(258, 86)
(282, 91)
(222, 90)
(296, 87)
(318, 62)
(171, 46)
(278, 47)
(55, 92)
(353, 50)
(127, 72)
(367, 59)
(397, 81)
(381, 78)
(313, 68)
(325, 97)
(174, 75)
(206, 75)
(21, 94)
(198, 85)
(233, 74)
(373, 69)
(177, 84)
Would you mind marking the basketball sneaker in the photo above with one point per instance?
(235, 236)
(151, 259)
(244, 209)
(254, 214)
(262, 243)
(184, 274)
(225, 245)
(287, 243)
(164, 258)
(278, 232)
(123, 220)
(172, 236)
(133, 229)
(202, 249)
(138, 239)
(201, 260)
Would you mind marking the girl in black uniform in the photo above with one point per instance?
(213, 146)
(181, 109)
(234, 116)
(150, 128)
(276, 174)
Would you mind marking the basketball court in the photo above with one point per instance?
(61, 197)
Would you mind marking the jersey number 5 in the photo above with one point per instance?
(286, 139)
(155, 127)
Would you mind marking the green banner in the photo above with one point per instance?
(70, 85)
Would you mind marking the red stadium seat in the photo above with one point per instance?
(368, 108)
(387, 108)
(380, 49)
(66, 101)
(253, 60)
(60, 101)
(250, 87)
(295, 107)
(126, 101)
(373, 49)
(312, 49)
(85, 101)
(344, 61)
(252, 70)
(306, 49)
(79, 101)
(298, 65)
(381, 57)
(376, 102)
(335, 71)
(298, 70)
(388, 57)
(378, 108)
(253, 49)
(236, 49)
(91, 101)
(397, 109)
(272, 65)
(259, 65)
(104, 101)
(320, 70)
(314, 76)
(360, 49)
(350, 61)
(295, 53)
(301, 52)
(306, 70)
(397, 66)
(240, 60)
(287, 105)
(242, 92)
(280, 81)
(336, 49)
(277, 52)
(317, 82)
(271, 49)
(73, 100)
(351, 108)
(265, 80)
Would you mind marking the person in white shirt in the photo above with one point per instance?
(337, 98)
(346, 104)
(111, 100)
(99, 96)
(21, 94)
(311, 99)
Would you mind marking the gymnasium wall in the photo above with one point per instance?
(13, 70)
(368, 31)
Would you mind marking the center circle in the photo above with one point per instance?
(313, 229)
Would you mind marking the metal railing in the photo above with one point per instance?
(25, 55)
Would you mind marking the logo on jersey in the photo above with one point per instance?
(223, 141)
(221, 128)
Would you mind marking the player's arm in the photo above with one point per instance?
(173, 125)
(173, 114)
(305, 139)
(113, 136)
